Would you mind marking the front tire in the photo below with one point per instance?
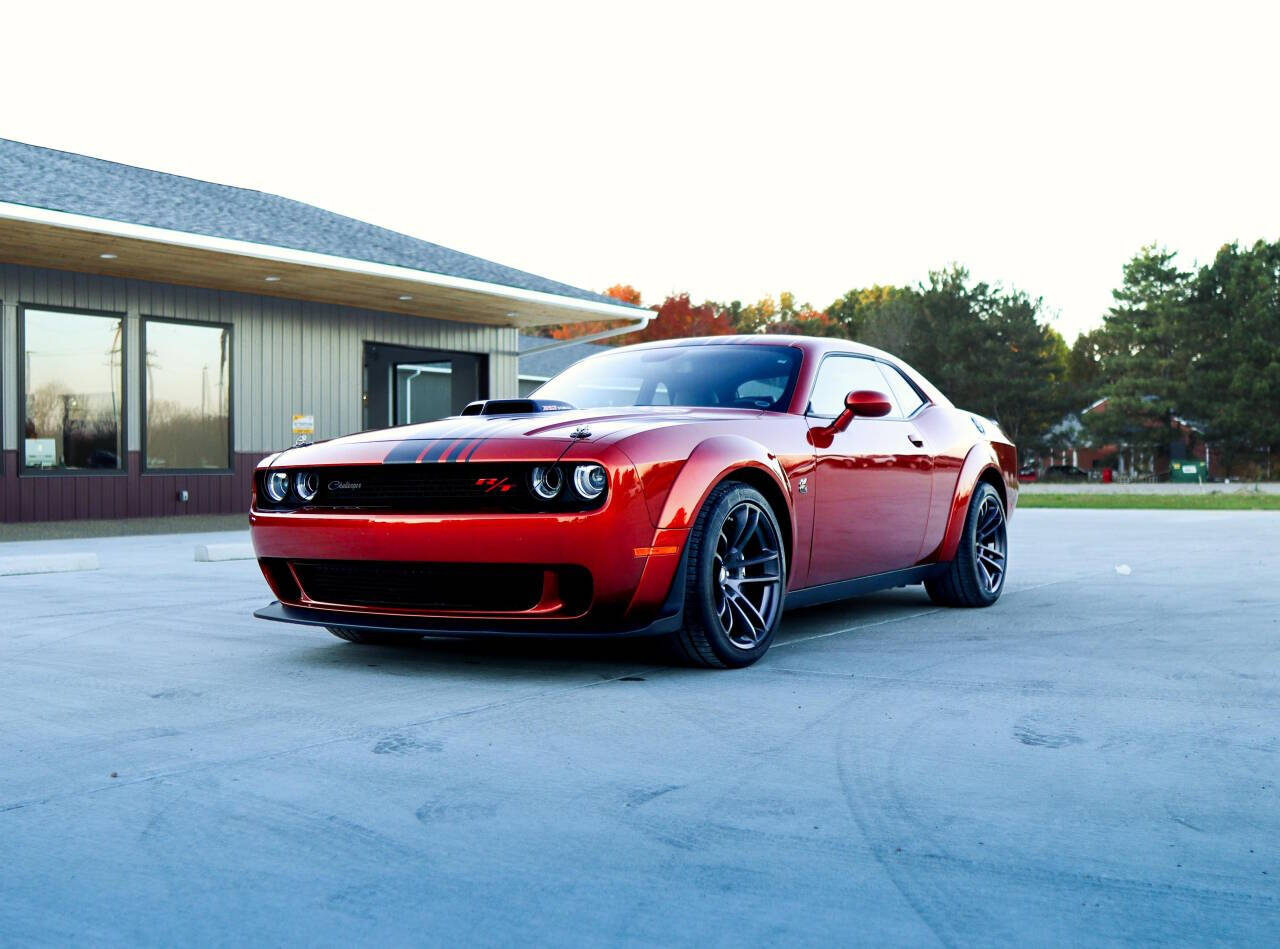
(975, 577)
(368, 638)
(735, 580)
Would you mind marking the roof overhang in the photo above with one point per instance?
(39, 237)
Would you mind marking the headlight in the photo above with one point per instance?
(546, 482)
(305, 485)
(277, 485)
(590, 481)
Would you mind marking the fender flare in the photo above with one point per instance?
(710, 463)
(981, 459)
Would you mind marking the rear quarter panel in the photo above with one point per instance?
(989, 454)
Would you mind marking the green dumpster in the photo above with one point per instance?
(1194, 471)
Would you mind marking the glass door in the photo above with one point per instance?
(404, 385)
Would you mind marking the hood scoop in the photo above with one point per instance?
(515, 406)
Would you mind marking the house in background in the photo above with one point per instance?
(1074, 447)
(159, 334)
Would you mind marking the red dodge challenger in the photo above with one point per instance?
(688, 489)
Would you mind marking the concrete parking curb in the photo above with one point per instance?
(46, 563)
(216, 553)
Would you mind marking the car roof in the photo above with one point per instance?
(814, 344)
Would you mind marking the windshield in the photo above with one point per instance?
(727, 376)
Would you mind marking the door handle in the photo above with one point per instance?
(915, 439)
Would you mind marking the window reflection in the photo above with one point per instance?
(837, 377)
(188, 395)
(73, 373)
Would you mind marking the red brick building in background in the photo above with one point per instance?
(1074, 447)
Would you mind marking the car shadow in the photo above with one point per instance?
(846, 616)
(499, 655)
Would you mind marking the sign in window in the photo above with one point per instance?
(73, 381)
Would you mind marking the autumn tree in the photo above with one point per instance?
(623, 292)
(860, 307)
(784, 315)
(678, 317)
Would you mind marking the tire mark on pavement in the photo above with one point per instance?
(363, 735)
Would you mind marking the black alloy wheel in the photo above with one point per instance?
(990, 543)
(736, 580)
(976, 576)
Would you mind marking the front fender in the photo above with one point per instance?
(709, 463)
(981, 458)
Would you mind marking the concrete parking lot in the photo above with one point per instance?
(1094, 760)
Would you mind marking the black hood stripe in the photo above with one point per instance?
(455, 444)
(417, 450)
(456, 448)
(497, 429)
(403, 453)
(438, 450)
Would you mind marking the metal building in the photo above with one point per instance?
(159, 335)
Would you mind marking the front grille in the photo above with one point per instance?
(428, 487)
(434, 488)
(438, 587)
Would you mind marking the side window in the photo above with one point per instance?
(837, 377)
(904, 393)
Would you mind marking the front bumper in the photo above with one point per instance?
(668, 620)
(629, 583)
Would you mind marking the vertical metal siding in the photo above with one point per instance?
(288, 356)
(8, 370)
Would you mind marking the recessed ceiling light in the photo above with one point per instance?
(107, 256)
(271, 279)
(405, 296)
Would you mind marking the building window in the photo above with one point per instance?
(73, 377)
(187, 387)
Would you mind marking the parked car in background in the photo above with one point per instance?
(1029, 473)
(1065, 473)
(687, 489)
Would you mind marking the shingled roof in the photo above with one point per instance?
(552, 362)
(62, 181)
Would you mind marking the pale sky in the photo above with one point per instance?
(731, 151)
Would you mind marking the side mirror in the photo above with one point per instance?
(867, 403)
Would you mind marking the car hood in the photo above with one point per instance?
(481, 437)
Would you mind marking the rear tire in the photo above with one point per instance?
(735, 580)
(976, 576)
(369, 638)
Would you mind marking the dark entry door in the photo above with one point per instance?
(404, 385)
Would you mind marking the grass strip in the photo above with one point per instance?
(1210, 501)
